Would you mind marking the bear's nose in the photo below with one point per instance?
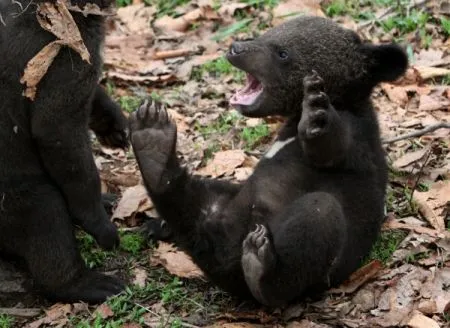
(237, 48)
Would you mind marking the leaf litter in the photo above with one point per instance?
(165, 56)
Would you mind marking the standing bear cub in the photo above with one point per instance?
(313, 207)
(48, 178)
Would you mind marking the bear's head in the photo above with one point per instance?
(277, 62)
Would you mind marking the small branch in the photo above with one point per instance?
(418, 133)
(171, 53)
(24, 313)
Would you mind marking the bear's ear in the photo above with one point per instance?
(387, 62)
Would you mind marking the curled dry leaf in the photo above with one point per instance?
(91, 9)
(175, 261)
(426, 72)
(418, 320)
(104, 311)
(359, 277)
(223, 163)
(289, 9)
(433, 203)
(140, 277)
(410, 158)
(54, 18)
(134, 199)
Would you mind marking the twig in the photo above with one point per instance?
(419, 175)
(2, 20)
(24, 313)
(171, 53)
(418, 133)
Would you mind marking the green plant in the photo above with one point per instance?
(222, 125)
(445, 24)
(261, 3)
(123, 3)
(129, 103)
(132, 242)
(216, 68)
(386, 245)
(6, 321)
(92, 255)
(227, 31)
(252, 136)
(166, 7)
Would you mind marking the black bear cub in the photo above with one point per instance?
(313, 207)
(48, 178)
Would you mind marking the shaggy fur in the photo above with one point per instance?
(313, 207)
(49, 180)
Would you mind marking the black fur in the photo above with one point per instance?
(49, 180)
(312, 209)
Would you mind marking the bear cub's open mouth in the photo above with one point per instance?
(249, 93)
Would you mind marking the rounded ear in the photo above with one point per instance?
(387, 62)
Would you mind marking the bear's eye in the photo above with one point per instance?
(283, 54)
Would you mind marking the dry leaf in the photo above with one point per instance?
(104, 311)
(289, 9)
(54, 18)
(409, 158)
(397, 94)
(55, 315)
(134, 199)
(175, 261)
(431, 72)
(223, 163)
(359, 278)
(433, 203)
(140, 277)
(418, 320)
(136, 18)
(429, 103)
(306, 324)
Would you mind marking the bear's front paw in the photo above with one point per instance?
(315, 116)
(153, 138)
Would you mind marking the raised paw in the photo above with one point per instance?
(153, 138)
(315, 115)
(258, 259)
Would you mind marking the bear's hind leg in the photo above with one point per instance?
(281, 261)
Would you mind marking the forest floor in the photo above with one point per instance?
(173, 51)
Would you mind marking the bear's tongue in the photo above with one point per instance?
(248, 94)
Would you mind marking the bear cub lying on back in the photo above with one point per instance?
(313, 207)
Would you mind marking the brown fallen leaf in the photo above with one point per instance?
(103, 311)
(433, 203)
(429, 103)
(223, 163)
(427, 72)
(409, 158)
(306, 324)
(175, 261)
(136, 18)
(134, 199)
(392, 223)
(54, 18)
(56, 315)
(397, 94)
(359, 278)
(436, 288)
(418, 320)
(289, 9)
(140, 277)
